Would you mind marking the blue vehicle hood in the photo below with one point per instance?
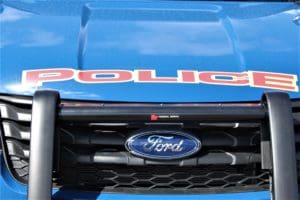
(243, 40)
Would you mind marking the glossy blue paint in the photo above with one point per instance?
(9, 188)
(161, 35)
(231, 196)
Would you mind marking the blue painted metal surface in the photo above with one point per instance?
(163, 35)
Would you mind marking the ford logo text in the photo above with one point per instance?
(163, 144)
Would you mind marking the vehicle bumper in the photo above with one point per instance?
(11, 189)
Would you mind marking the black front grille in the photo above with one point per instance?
(89, 143)
(91, 155)
(15, 117)
(296, 111)
(146, 178)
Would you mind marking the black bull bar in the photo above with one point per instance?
(277, 139)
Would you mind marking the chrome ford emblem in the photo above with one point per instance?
(164, 145)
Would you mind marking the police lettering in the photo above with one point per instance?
(258, 79)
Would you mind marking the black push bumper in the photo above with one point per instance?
(277, 139)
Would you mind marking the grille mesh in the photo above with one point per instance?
(97, 177)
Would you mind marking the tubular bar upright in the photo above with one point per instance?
(42, 144)
(285, 185)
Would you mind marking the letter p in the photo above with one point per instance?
(39, 76)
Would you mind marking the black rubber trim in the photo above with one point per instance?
(42, 144)
(283, 146)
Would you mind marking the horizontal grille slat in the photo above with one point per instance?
(16, 148)
(14, 113)
(85, 134)
(20, 100)
(85, 137)
(16, 131)
(126, 158)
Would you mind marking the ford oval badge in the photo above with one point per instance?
(163, 144)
